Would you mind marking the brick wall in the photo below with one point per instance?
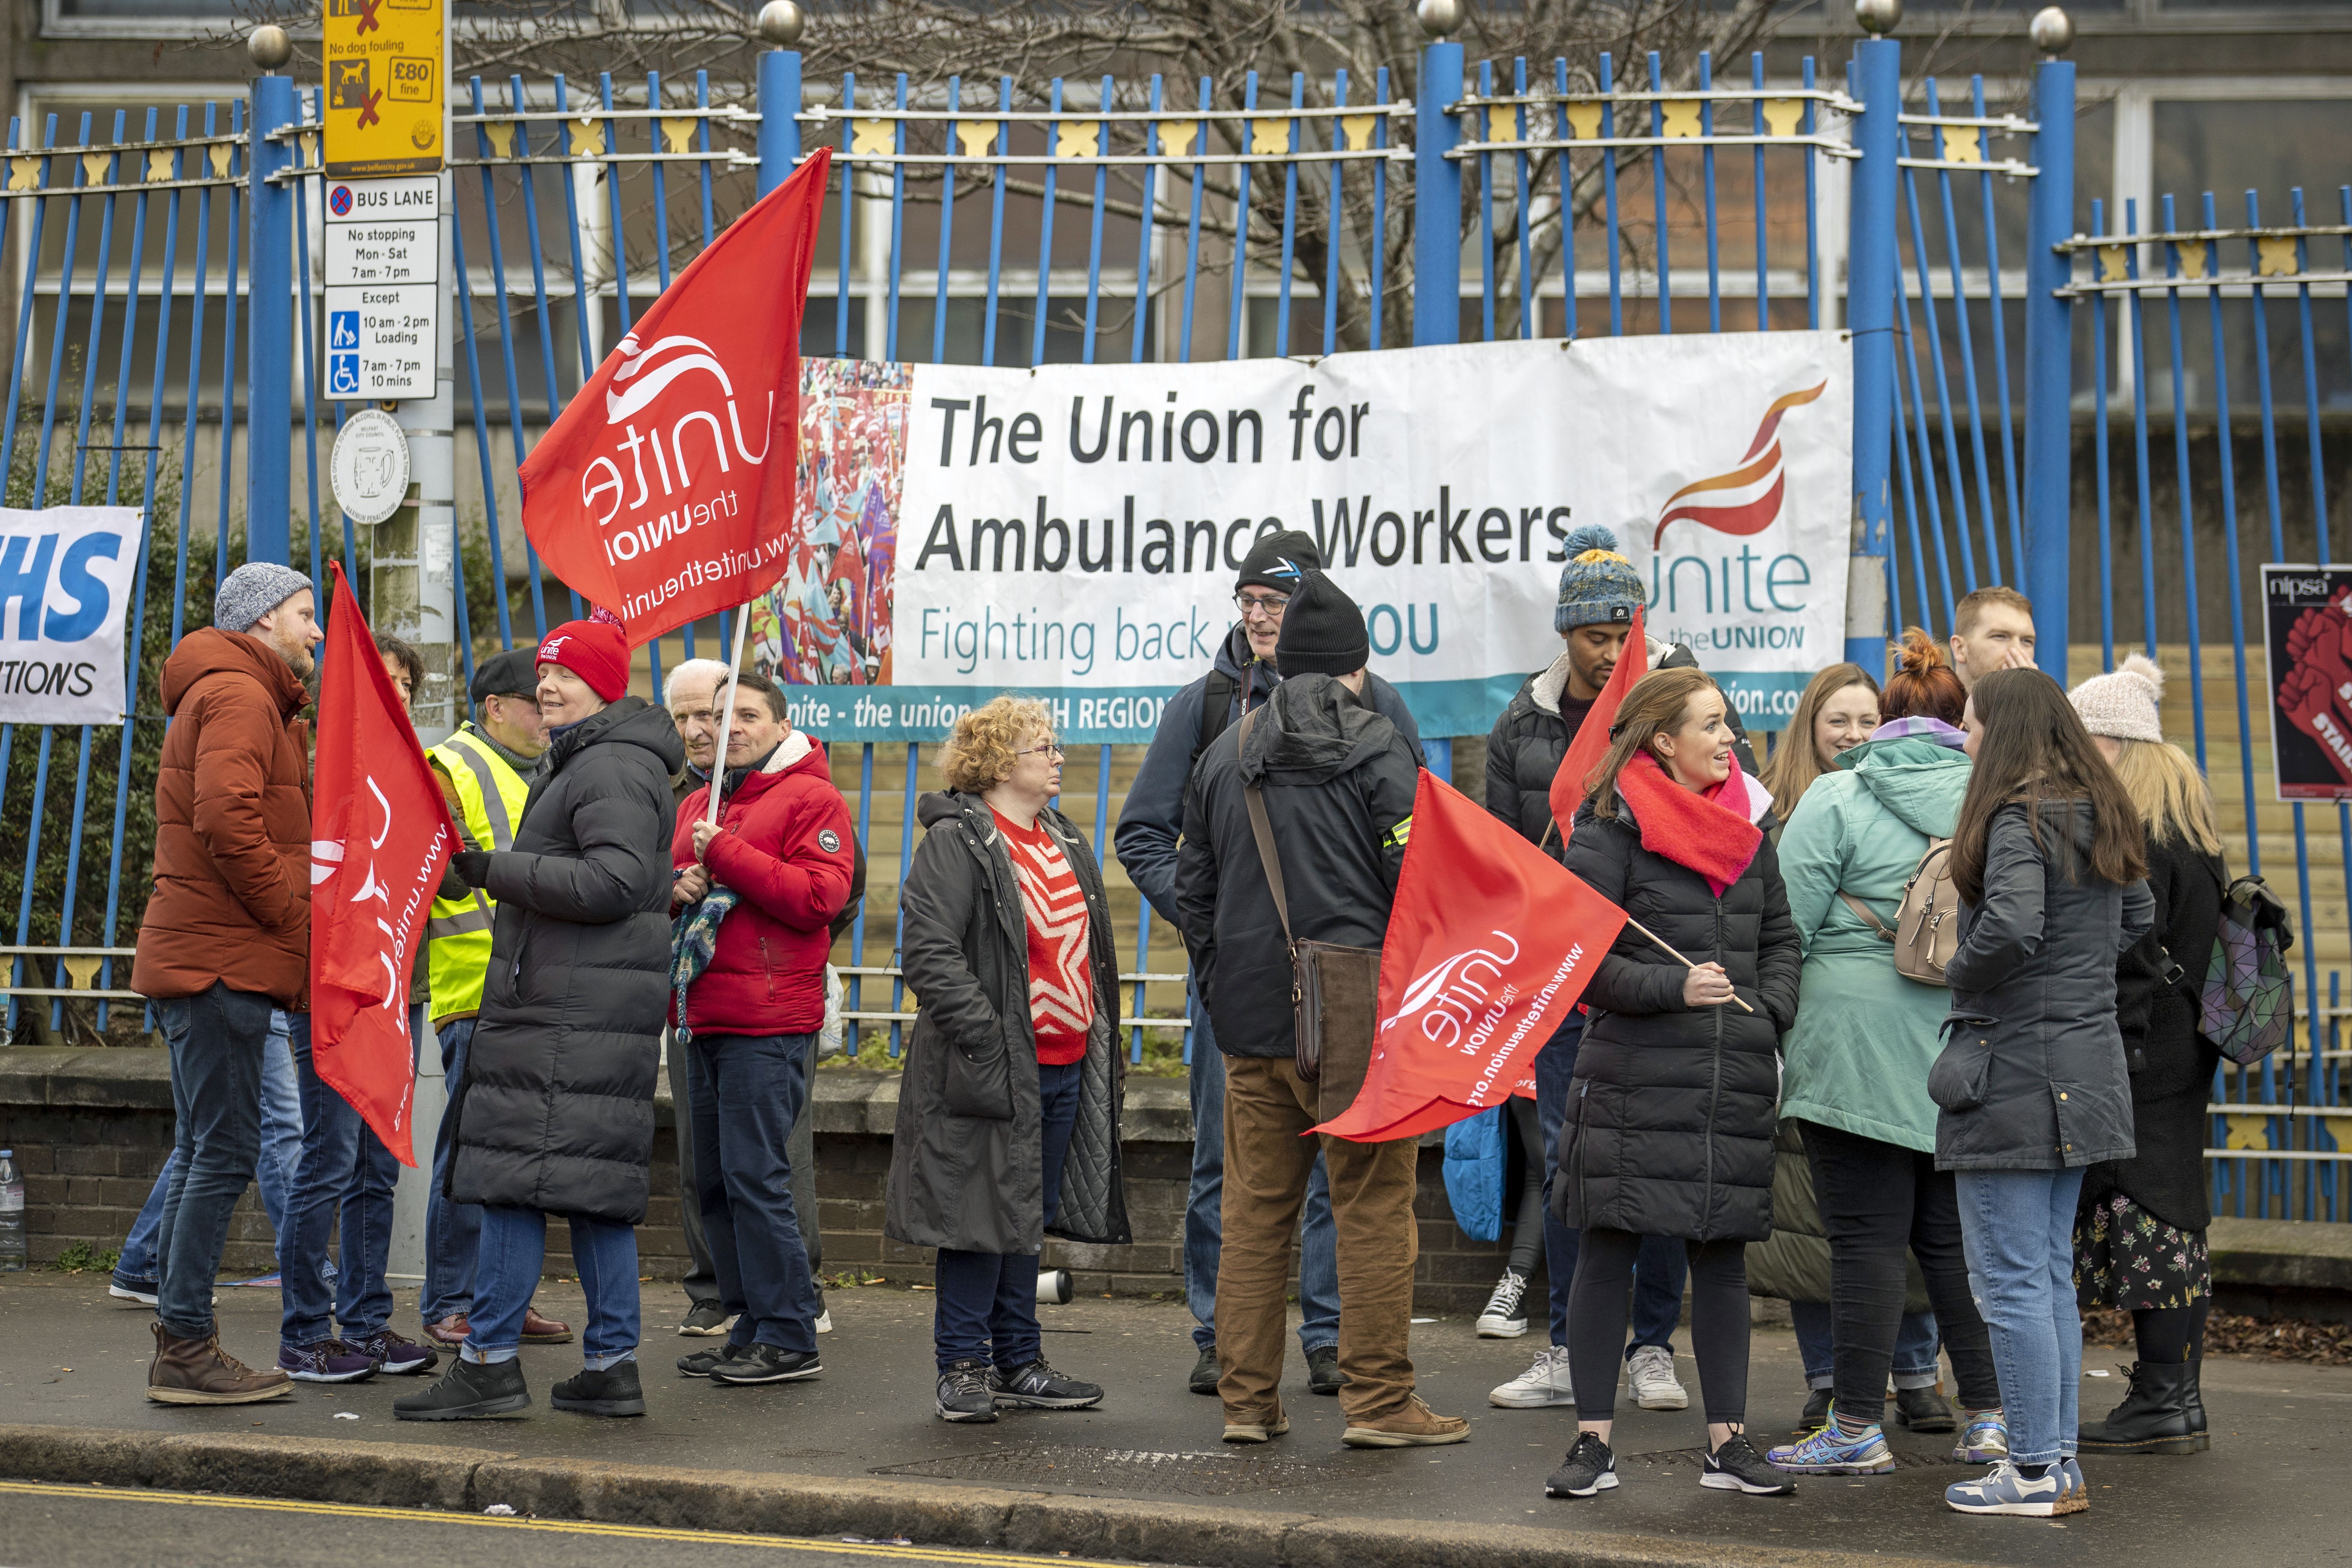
(90, 1136)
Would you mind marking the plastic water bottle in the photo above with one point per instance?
(12, 1215)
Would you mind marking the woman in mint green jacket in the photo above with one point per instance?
(1855, 1077)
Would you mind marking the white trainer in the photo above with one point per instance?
(1652, 1374)
(1542, 1385)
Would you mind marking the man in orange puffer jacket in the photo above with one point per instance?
(757, 892)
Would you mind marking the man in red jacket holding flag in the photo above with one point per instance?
(757, 890)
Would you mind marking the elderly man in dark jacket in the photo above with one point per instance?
(556, 1114)
(1337, 780)
(1242, 678)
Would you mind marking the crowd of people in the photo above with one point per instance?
(1940, 1147)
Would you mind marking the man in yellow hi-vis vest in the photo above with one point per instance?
(485, 773)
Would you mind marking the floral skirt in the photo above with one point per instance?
(2127, 1259)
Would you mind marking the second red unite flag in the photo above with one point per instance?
(1489, 944)
(665, 491)
(380, 835)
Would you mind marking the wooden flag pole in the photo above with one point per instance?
(1679, 958)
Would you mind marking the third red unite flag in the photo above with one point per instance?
(665, 491)
(1590, 742)
(1489, 945)
(380, 835)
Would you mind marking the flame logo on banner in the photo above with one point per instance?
(1747, 498)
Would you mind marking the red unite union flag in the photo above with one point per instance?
(1490, 943)
(380, 836)
(665, 491)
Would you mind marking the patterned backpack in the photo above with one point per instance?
(2247, 1007)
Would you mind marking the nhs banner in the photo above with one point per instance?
(1074, 531)
(64, 577)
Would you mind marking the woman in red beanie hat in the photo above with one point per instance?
(555, 1114)
(577, 655)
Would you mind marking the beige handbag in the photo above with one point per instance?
(1927, 924)
(1335, 992)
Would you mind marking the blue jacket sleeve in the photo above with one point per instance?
(1153, 816)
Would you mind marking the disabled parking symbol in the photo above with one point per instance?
(342, 330)
(343, 375)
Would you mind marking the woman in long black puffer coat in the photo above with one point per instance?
(2139, 1227)
(1669, 1128)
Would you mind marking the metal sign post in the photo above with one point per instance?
(388, 276)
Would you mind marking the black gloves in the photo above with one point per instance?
(472, 866)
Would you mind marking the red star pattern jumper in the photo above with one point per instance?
(1061, 988)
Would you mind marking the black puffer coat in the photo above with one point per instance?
(1670, 1118)
(967, 1156)
(2171, 1064)
(556, 1112)
(1524, 747)
(2032, 1077)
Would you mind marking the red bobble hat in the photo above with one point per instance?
(595, 652)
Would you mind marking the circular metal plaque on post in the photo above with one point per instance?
(369, 471)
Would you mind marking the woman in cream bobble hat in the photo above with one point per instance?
(2139, 1233)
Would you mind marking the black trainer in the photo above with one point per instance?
(1590, 1468)
(1205, 1373)
(612, 1392)
(1736, 1467)
(1039, 1387)
(469, 1390)
(1323, 1373)
(766, 1364)
(1922, 1410)
(698, 1364)
(966, 1392)
(1817, 1411)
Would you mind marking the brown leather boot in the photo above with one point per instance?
(198, 1372)
(539, 1330)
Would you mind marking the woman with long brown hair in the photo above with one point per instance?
(1837, 712)
(2049, 862)
(1671, 1109)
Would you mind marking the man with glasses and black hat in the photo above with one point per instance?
(1241, 679)
(484, 772)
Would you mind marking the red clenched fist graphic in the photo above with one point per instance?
(2310, 704)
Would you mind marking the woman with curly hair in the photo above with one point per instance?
(1008, 1118)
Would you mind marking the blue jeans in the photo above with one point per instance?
(748, 1092)
(345, 1168)
(1661, 1267)
(1916, 1342)
(219, 1039)
(2019, 1229)
(453, 1231)
(514, 1253)
(281, 1152)
(1318, 1246)
(987, 1301)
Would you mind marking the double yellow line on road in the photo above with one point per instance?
(557, 1526)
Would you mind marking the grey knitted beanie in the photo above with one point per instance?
(1598, 585)
(252, 591)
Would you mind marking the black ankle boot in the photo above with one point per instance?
(615, 1391)
(2194, 1401)
(2155, 1416)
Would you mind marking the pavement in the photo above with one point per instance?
(858, 1452)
